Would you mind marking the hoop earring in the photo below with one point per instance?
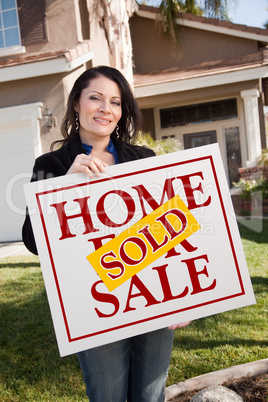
(117, 131)
(76, 122)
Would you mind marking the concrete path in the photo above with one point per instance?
(12, 249)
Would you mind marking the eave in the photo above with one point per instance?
(45, 64)
(210, 24)
(209, 74)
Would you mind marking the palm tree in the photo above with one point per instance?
(217, 8)
(169, 9)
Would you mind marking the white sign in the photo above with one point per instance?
(204, 274)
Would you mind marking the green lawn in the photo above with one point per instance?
(235, 337)
(30, 366)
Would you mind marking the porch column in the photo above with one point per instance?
(253, 134)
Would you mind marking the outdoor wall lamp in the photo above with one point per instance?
(50, 120)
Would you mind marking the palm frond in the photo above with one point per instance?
(217, 9)
(166, 19)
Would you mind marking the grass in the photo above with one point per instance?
(235, 337)
(30, 366)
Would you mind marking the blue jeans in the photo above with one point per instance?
(133, 369)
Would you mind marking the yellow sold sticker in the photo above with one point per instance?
(143, 243)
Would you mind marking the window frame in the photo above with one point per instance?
(14, 49)
(208, 106)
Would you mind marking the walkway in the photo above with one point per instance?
(12, 249)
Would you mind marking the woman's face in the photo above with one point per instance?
(99, 109)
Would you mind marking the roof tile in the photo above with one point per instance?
(69, 54)
(252, 60)
(212, 21)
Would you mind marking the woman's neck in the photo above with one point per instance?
(99, 149)
(98, 144)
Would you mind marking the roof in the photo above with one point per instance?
(208, 73)
(210, 24)
(35, 65)
(211, 73)
(252, 60)
(68, 54)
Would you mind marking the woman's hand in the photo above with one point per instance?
(87, 164)
(181, 325)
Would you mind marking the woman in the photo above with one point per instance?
(99, 127)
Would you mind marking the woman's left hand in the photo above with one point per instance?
(181, 325)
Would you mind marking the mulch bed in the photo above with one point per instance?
(251, 389)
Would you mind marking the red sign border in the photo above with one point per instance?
(38, 195)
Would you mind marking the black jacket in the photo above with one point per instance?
(57, 163)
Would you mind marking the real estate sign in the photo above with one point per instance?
(148, 244)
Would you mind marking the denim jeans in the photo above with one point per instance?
(133, 369)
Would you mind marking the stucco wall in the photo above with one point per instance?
(62, 28)
(156, 103)
(110, 35)
(197, 95)
(51, 90)
(153, 51)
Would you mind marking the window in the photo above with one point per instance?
(9, 24)
(194, 140)
(233, 153)
(22, 23)
(199, 113)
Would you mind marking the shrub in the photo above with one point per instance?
(248, 187)
(160, 147)
(263, 159)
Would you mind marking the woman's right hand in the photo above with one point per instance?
(180, 325)
(87, 164)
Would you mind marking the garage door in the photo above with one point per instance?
(19, 146)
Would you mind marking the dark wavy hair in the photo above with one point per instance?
(131, 118)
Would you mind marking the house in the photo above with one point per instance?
(44, 46)
(212, 88)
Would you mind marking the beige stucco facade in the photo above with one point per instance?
(46, 71)
(213, 62)
(210, 64)
(154, 51)
(38, 77)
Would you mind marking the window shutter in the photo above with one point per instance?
(32, 21)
